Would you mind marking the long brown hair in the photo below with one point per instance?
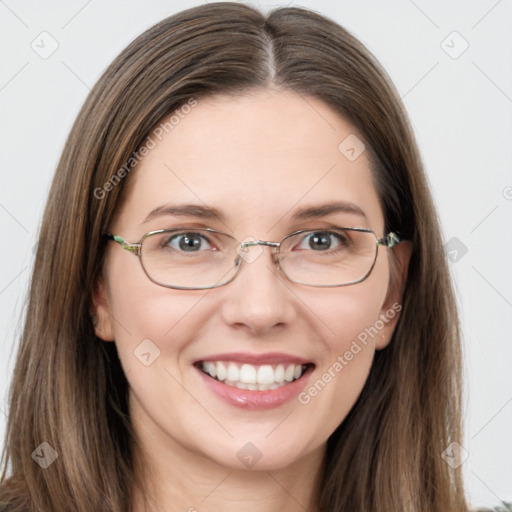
(68, 388)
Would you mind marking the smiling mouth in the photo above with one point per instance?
(253, 377)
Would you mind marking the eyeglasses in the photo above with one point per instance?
(199, 259)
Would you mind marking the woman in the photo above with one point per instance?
(240, 298)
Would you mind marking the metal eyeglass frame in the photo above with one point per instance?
(388, 241)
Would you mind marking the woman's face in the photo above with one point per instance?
(256, 160)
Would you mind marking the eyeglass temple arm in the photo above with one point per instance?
(390, 240)
(135, 248)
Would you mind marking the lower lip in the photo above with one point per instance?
(256, 400)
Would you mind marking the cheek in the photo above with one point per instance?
(350, 313)
(146, 317)
(153, 325)
(352, 320)
(351, 323)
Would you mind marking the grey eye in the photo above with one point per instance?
(188, 242)
(321, 241)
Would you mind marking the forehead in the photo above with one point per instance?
(257, 158)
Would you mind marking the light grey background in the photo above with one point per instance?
(460, 109)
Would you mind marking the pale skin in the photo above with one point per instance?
(257, 159)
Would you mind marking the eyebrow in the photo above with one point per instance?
(185, 210)
(206, 212)
(328, 209)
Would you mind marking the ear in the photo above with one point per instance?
(390, 312)
(100, 312)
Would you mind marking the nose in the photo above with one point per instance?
(258, 299)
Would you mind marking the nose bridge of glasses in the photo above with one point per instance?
(243, 253)
(250, 243)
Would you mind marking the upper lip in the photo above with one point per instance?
(255, 359)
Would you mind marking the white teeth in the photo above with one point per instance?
(212, 369)
(248, 376)
(221, 371)
(279, 373)
(288, 374)
(233, 372)
(265, 374)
